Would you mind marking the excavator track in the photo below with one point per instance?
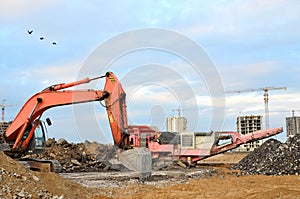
(41, 165)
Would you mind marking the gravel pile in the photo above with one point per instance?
(273, 158)
(13, 187)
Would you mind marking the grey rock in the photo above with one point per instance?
(74, 161)
(273, 158)
(62, 141)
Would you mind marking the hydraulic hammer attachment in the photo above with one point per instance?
(137, 159)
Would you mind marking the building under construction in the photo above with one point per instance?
(246, 125)
(292, 125)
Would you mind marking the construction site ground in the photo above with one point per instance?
(211, 178)
(223, 185)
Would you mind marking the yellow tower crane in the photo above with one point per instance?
(266, 98)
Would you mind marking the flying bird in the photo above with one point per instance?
(29, 31)
(54, 43)
(41, 38)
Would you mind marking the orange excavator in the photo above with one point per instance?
(26, 133)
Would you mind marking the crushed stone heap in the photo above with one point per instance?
(273, 158)
(77, 157)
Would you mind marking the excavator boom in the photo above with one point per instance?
(44, 100)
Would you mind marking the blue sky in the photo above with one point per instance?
(252, 44)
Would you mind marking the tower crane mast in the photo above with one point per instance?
(266, 98)
(3, 106)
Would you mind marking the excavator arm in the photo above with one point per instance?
(116, 111)
(25, 122)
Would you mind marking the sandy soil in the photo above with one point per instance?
(226, 158)
(224, 185)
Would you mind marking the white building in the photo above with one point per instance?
(176, 124)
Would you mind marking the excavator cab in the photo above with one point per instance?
(37, 145)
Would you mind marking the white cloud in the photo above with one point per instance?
(16, 9)
(247, 18)
(253, 103)
(250, 75)
(55, 74)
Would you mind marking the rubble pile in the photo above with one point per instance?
(273, 158)
(102, 152)
(18, 182)
(75, 157)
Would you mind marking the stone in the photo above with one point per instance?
(62, 141)
(74, 161)
(35, 178)
(273, 158)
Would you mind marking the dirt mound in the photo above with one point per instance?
(18, 182)
(273, 158)
(78, 157)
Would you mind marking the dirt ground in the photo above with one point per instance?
(225, 158)
(224, 185)
(212, 179)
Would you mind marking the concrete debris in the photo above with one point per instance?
(78, 157)
(180, 163)
(273, 158)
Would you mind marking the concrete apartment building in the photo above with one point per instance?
(249, 124)
(292, 125)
